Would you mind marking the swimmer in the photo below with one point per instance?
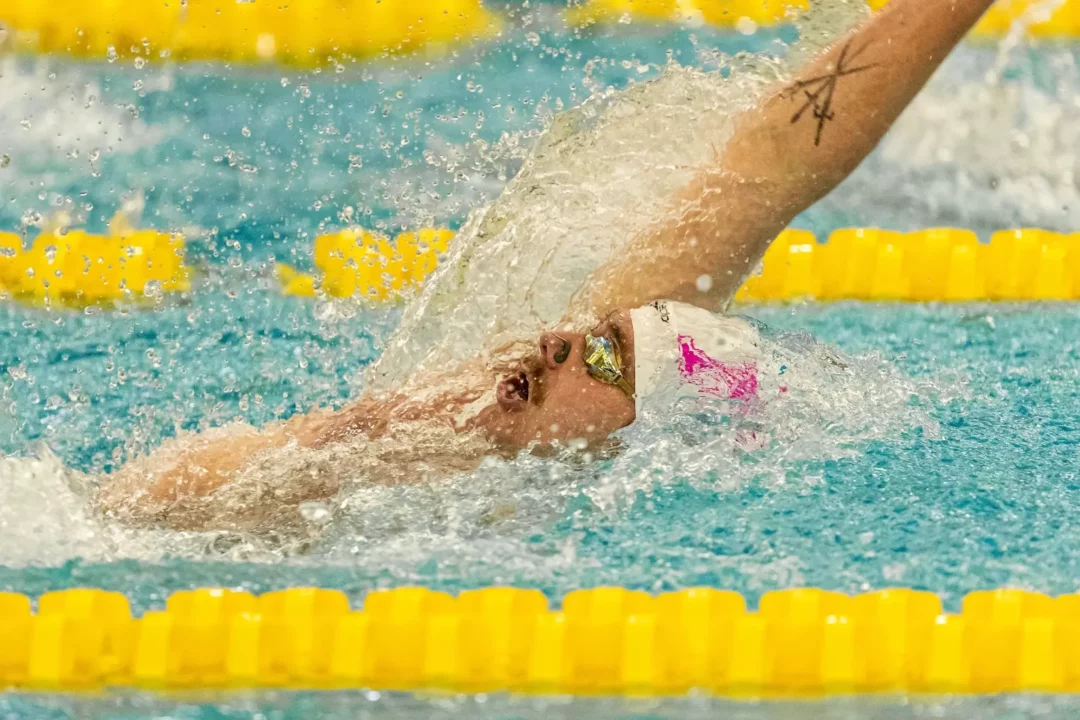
(657, 340)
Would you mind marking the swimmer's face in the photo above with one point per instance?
(551, 397)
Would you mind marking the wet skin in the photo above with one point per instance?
(551, 398)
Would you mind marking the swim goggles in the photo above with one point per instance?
(603, 363)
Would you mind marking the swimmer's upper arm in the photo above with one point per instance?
(785, 154)
(175, 485)
(159, 486)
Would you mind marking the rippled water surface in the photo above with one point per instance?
(980, 492)
(333, 705)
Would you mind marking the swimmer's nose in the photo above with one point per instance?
(554, 349)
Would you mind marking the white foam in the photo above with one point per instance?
(54, 111)
(42, 519)
(46, 520)
(600, 173)
(978, 150)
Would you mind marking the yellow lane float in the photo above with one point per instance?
(939, 264)
(308, 32)
(722, 13)
(933, 265)
(360, 263)
(799, 643)
(315, 32)
(1038, 18)
(73, 268)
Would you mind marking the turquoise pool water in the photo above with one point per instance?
(332, 706)
(945, 458)
(982, 493)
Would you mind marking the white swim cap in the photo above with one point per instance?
(681, 350)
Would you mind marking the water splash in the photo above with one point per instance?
(977, 148)
(54, 111)
(600, 175)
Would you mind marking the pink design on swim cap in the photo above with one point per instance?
(735, 381)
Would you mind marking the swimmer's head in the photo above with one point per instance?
(584, 386)
(574, 386)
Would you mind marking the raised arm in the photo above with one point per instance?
(785, 154)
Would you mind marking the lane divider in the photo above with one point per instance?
(357, 262)
(939, 264)
(318, 32)
(73, 268)
(605, 641)
(721, 13)
(308, 32)
(1038, 18)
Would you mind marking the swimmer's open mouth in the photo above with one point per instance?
(519, 385)
(513, 391)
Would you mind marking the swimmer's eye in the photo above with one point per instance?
(603, 362)
(609, 332)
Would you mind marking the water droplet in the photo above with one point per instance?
(245, 131)
(746, 26)
(704, 283)
(140, 63)
(315, 512)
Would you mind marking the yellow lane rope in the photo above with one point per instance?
(1037, 18)
(317, 32)
(308, 32)
(938, 264)
(798, 643)
(73, 268)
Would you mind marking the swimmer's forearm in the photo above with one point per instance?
(785, 154)
(813, 131)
